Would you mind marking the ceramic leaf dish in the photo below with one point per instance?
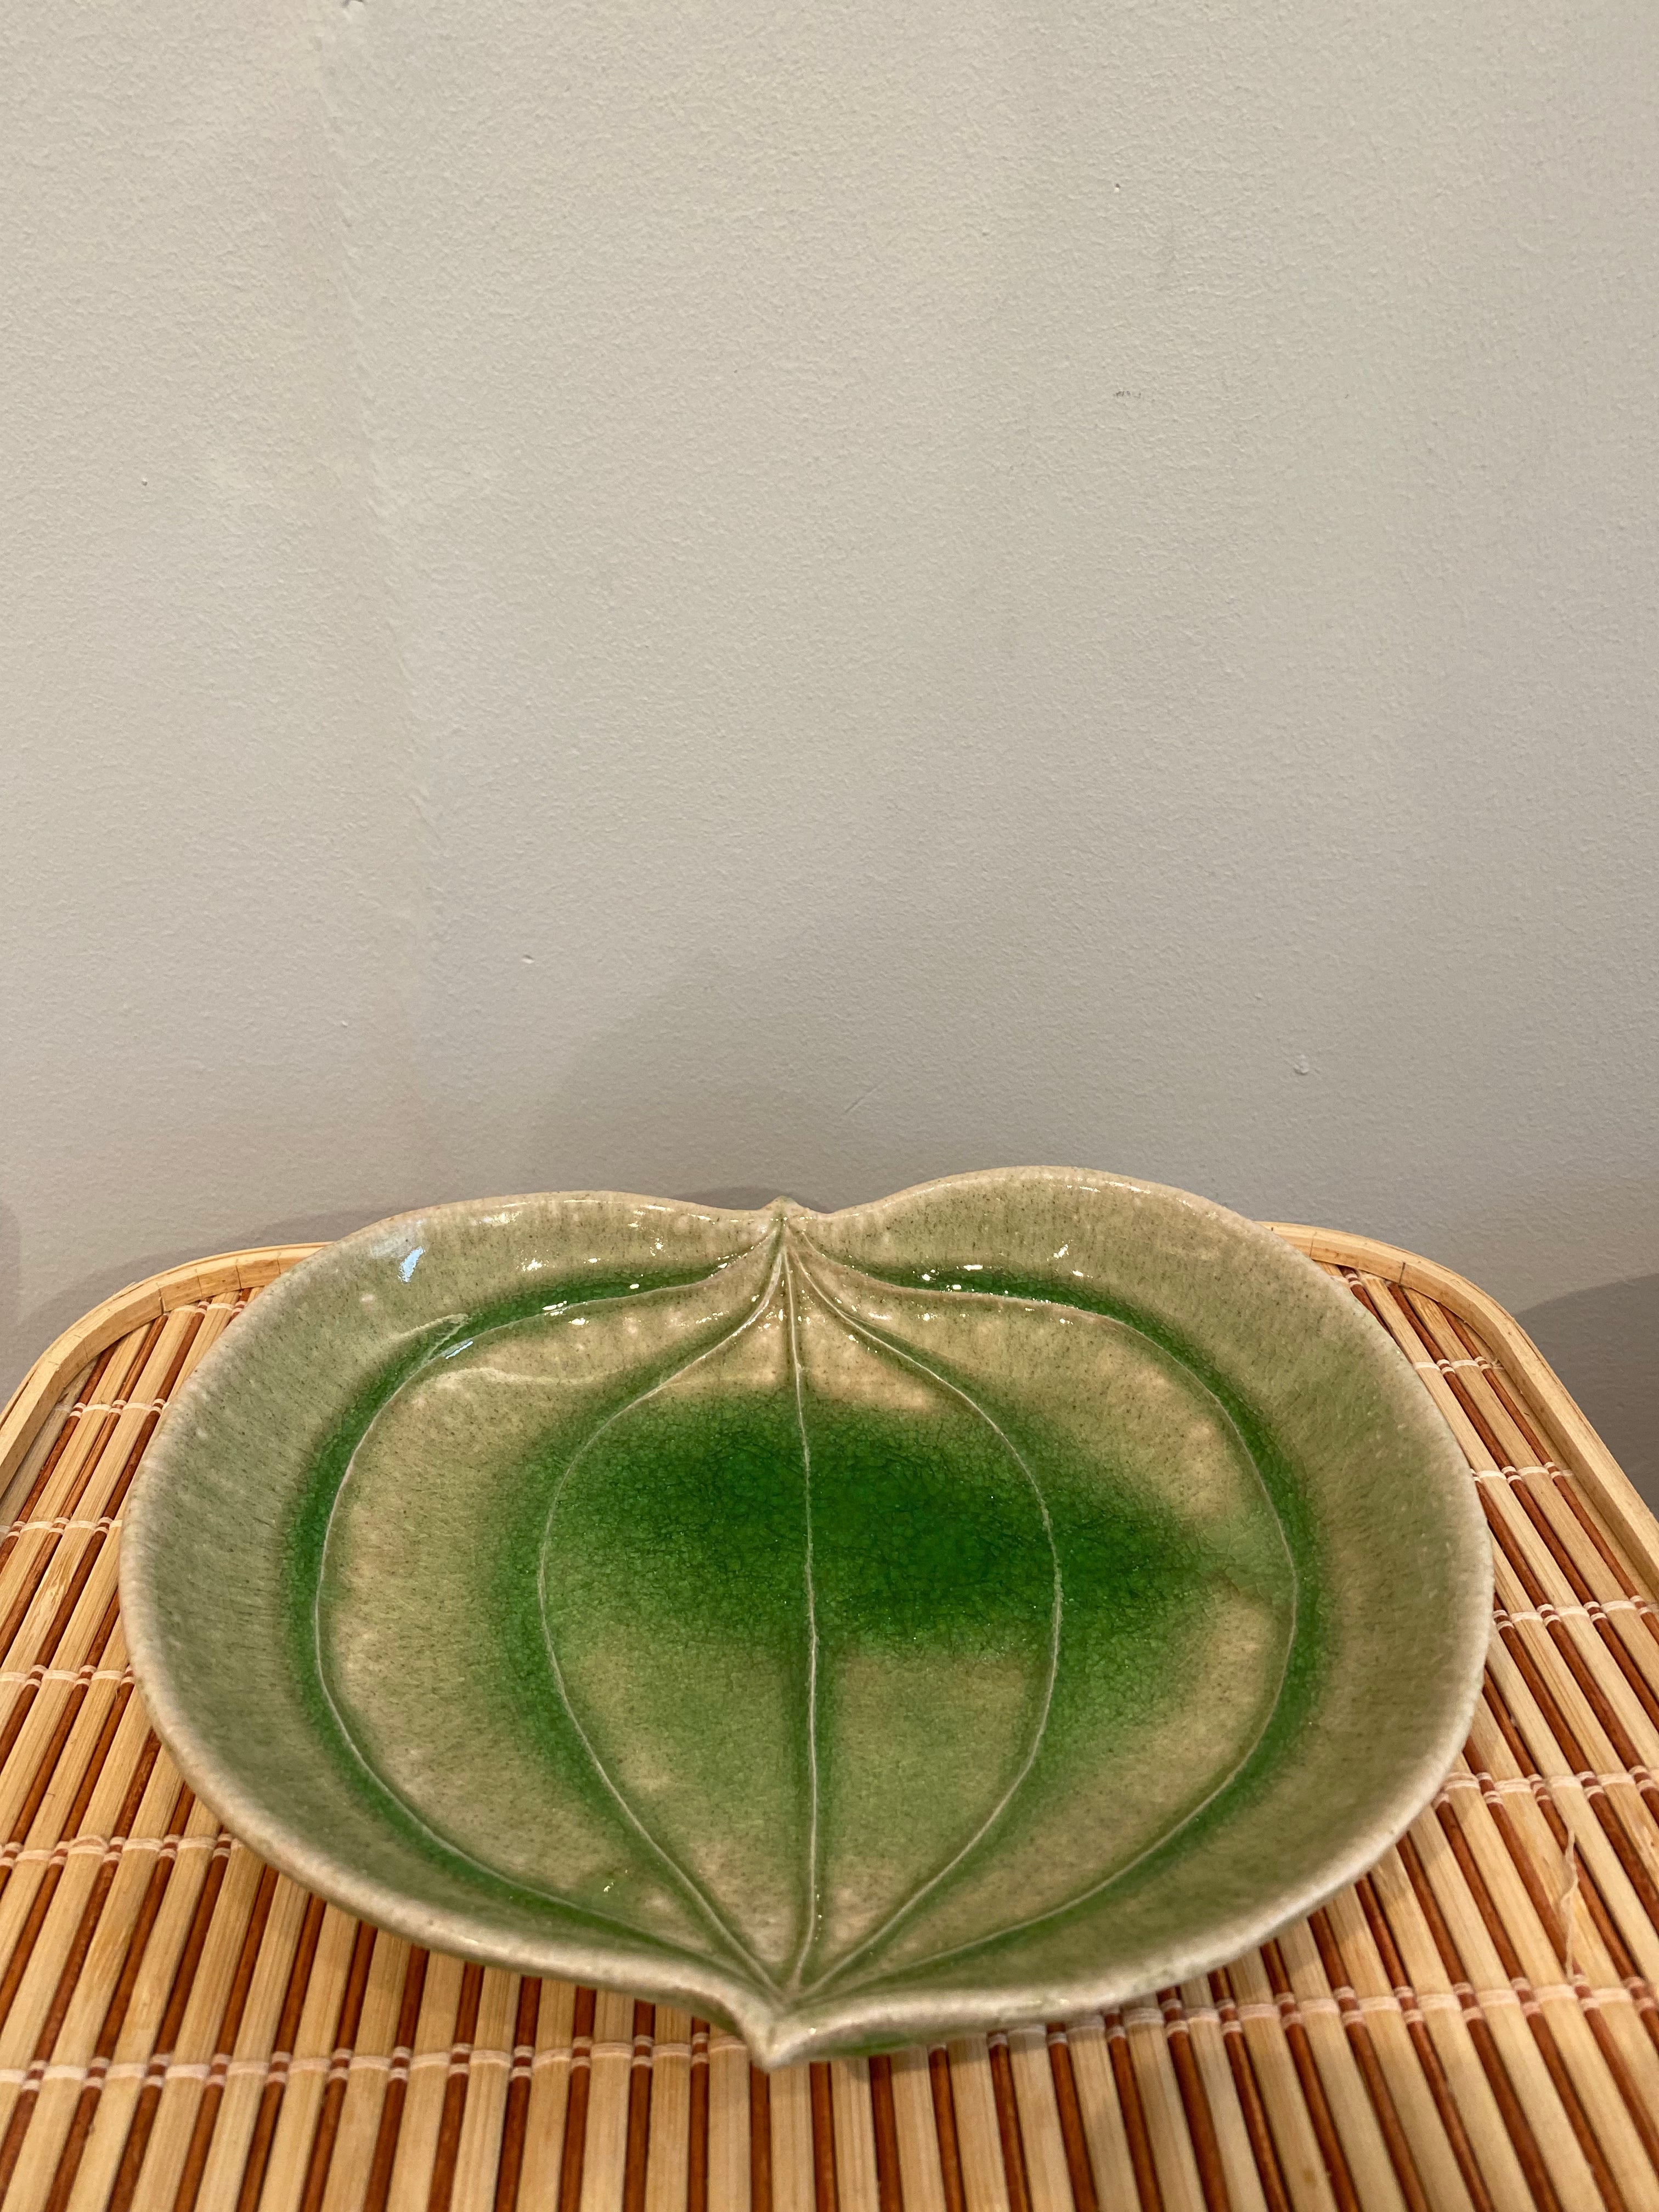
(984, 1605)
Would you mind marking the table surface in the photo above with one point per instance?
(1473, 2024)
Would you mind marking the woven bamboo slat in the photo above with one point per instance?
(1473, 2027)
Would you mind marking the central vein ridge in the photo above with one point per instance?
(793, 1319)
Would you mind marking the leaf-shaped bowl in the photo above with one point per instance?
(982, 1606)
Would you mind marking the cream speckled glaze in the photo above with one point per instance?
(982, 1606)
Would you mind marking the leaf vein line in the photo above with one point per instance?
(686, 1881)
(901, 1912)
(810, 1928)
(451, 1323)
(1165, 1835)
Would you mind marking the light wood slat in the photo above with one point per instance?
(1611, 1687)
(921, 2177)
(1352, 2107)
(1542, 1964)
(1630, 1618)
(1448, 2024)
(1103, 2115)
(53, 2107)
(1569, 1796)
(1385, 2025)
(605, 2154)
(977, 2134)
(479, 2155)
(53, 1420)
(367, 2079)
(46, 1829)
(35, 1739)
(238, 2107)
(118, 2098)
(129, 1872)
(1565, 1889)
(1204, 2029)
(1636, 2053)
(127, 1311)
(1529, 1552)
(428, 2079)
(1547, 1487)
(79, 1633)
(42, 1567)
(84, 1552)
(97, 1596)
(1576, 1710)
(1476, 1387)
(1399, 1326)
(1520, 2053)
(1160, 2100)
(1299, 2157)
(183, 2088)
(1586, 1956)
(62, 1552)
(666, 2166)
(1571, 1799)
(790, 2089)
(1539, 1954)
(92, 1432)
(101, 1450)
(550, 2095)
(166, 1363)
(855, 2136)
(1039, 2117)
(728, 2124)
(215, 1319)
(302, 2097)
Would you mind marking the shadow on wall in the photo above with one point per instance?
(23, 1337)
(1604, 1345)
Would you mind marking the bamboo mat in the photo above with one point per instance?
(1472, 2025)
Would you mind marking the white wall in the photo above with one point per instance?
(716, 596)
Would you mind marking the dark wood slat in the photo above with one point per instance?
(381, 2166)
(287, 2024)
(510, 2166)
(60, 1443)
(345, 2035)
(582, 2086)
(456, 2085)
(1395, 2137)
(890, 2187)
(1134, 2115)
(207, 2112)
(639, 2115)
(944, 2126)
(184, 1979)
(1078, 2166)
(1313, 2088)
(760, 2141)
(1263, 2149)
(1542, 2034)
(826, 2194)
(1009, 2132)
(1200, 2122)
(115, 2013)
(1528, 2155)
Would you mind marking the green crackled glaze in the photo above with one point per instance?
(981, 1604)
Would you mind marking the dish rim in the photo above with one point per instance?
(889, 2018)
